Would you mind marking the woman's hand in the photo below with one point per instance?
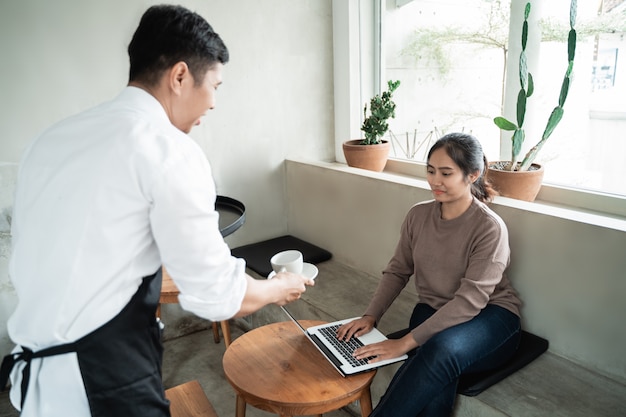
(356, 328)
(391, 348)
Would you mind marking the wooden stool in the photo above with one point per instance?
(189, 400)
(276, 368)
(169, 295)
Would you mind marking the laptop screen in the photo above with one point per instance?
(293, 319)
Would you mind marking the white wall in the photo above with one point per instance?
(60, 57)
(569, 271)
(8, 299)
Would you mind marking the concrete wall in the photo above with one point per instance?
(60, 57)
(8, 299)
(568, 269)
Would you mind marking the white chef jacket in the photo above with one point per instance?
(104, 198)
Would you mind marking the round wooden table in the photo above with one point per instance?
(276, 368)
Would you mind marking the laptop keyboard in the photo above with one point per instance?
(346, 348)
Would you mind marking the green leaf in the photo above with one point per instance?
(392, 85)
(521, 107)
(570, 68)
(531, 86)
(523, 71)
(573, 6)
(527, 11)
(564, 90)
(571, 45)
(524, 35)
(504, 124)
(553, 121)
(518, 140)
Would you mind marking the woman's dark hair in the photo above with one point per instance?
(170, 34)
(467, 153)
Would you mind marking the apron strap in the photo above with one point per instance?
(136, 320)
(27, 355)
(5, 369)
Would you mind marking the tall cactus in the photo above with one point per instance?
(527, 89)
(557, 113)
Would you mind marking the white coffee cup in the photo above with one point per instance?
(289, 261)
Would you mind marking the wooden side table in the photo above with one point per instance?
(169, 295)
(276, 368)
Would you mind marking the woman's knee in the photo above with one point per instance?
(444, 355)
(450, 343)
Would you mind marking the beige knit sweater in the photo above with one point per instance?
(459, 266)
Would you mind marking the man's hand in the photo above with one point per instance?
(282, 289)
(291, 287)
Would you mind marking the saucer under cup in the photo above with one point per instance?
(308, 270)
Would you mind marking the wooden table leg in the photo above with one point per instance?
(226, 332)
(216, 332)
(366, 402)
(240, 407)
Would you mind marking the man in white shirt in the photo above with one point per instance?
(104, 198)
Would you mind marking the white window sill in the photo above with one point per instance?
(413, 175)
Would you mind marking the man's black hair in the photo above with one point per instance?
(169, 34)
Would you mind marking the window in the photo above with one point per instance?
(588, 150)
(450, 58)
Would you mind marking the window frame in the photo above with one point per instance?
(358, 72)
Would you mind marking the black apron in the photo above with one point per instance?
(120, 362)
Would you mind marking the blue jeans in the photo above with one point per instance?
(425, 385)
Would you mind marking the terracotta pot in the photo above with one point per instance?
(372, 157)
(521, 185)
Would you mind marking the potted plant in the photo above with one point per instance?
(508, 176)
(372, 151)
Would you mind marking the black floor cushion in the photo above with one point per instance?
(257, 255)
(530, 348)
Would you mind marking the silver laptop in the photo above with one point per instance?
(338, 352)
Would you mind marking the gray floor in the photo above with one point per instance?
(194, 356)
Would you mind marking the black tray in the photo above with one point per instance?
(232, 214)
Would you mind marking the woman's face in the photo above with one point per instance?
(446, 179)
